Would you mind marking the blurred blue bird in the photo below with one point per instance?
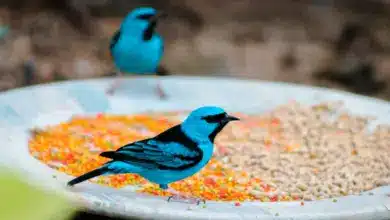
(136, 48)
(173, 155)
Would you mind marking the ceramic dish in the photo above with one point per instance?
(42, 105)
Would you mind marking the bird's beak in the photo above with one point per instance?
(158, 16)
(231, 118)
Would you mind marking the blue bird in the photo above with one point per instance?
(136, 48)
(173, 155)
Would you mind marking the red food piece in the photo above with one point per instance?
(275, 121)
(266, 188)
(209, 181)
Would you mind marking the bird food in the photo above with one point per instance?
(293, 152)
(73, 147)
(312, 152)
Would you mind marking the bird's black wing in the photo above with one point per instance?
(170, 150)
(114, 39)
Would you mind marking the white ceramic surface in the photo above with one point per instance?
(42, 105)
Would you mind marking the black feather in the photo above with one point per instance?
(215, 118)
(114, 39)
(145, 16)
(107, 154)
(174, 134)
(89, 175)
(149, 31)
(216, 131)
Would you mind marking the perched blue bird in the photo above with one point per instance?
(136, 48)
(173, 155)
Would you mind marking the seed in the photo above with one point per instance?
(295, 148)
(302, 187)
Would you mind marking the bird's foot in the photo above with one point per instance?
(116, 84)
(160, 92)
(110, 91)
(186, 199)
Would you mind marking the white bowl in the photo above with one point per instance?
(42, 105)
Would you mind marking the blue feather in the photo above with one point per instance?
(117, 167)
(130, 51)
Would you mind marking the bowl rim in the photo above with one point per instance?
(373, 203)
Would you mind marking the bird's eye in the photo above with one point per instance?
(145, 16)
(214, 118)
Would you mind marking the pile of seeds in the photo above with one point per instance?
(293, 152)
(74, 147)
(313, 152)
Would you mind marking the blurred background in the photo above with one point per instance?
(342, 44)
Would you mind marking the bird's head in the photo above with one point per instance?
(206, 122)
(143, 20)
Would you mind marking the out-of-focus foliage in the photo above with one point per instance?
(21, 201)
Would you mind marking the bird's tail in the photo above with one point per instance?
(89, 175)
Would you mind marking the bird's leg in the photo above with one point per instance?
(117, 82)
(181, 197)
(160, 92)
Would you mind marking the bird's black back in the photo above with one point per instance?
(176, 134)
(172, 135)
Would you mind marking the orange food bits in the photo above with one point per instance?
(73, 147)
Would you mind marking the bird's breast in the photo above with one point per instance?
(137, 56)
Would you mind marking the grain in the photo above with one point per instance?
(73, 147)
(292, 152)
(317, 152)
